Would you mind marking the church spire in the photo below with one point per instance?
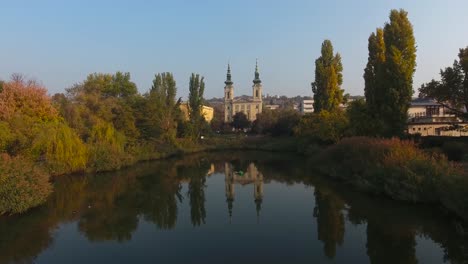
(257, 75)
(228, 76)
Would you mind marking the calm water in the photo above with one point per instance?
(224, 208)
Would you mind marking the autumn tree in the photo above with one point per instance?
(328, 79)
(452, 90)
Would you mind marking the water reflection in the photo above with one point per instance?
(250, 175)
(111, 207)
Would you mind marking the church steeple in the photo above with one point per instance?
(228, 76)
(257, 75)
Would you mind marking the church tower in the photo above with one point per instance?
(257, 86)
(228, 96)
(229, 88)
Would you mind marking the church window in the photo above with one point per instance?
(257, 106)
(243, 107)
(256, 93)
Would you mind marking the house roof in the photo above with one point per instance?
(424, 102)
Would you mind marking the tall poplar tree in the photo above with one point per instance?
(162, 95)
(400, 65)
(374, 70)
(389, 74)
(328, 79)
(195, 103)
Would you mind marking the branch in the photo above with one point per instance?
(457, 112)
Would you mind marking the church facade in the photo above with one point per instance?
(250, 106)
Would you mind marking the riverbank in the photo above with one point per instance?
(392, 168)
(396, 169)
(25, 184)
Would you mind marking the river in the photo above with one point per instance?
(240, 207)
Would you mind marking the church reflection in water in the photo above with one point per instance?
(250, 176)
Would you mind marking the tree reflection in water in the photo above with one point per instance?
(330, 220)
(110, 206)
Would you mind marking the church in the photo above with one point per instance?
(250, 106)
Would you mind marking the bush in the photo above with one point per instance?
(456, 151)
(324, 127)
(22, 185)
(392, 167)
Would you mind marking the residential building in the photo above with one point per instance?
(207, 112)
(272, 106)
(429, 118)
(306, 106)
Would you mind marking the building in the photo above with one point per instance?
(272, 106)
(306, 106)
(429, 118)
(250, 106)
(207, 112)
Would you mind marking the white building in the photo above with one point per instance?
(429, 118)
(306, 106)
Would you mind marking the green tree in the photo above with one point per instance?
(328, 79)
(195, 104)
(240, 121)
(162, 111)
(389, 73)
(361, 120)
(400, 65)
(452, 90)
(374, 70)
(104, 97)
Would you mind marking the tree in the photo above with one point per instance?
(104, 97)
(164, 108)
(374, 70)
(328, 79)
(195, 104)
(452, 90)
(27, 98)
(240, 121)
(400, 65)
(389, 73)
(361, 121)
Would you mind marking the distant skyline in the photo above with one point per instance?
(60, 42)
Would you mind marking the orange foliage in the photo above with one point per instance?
(26, 98)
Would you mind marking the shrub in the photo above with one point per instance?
(324, 127)
(22, 185)
(392, 167)
(455, 151)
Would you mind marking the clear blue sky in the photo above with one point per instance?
(60, 42)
